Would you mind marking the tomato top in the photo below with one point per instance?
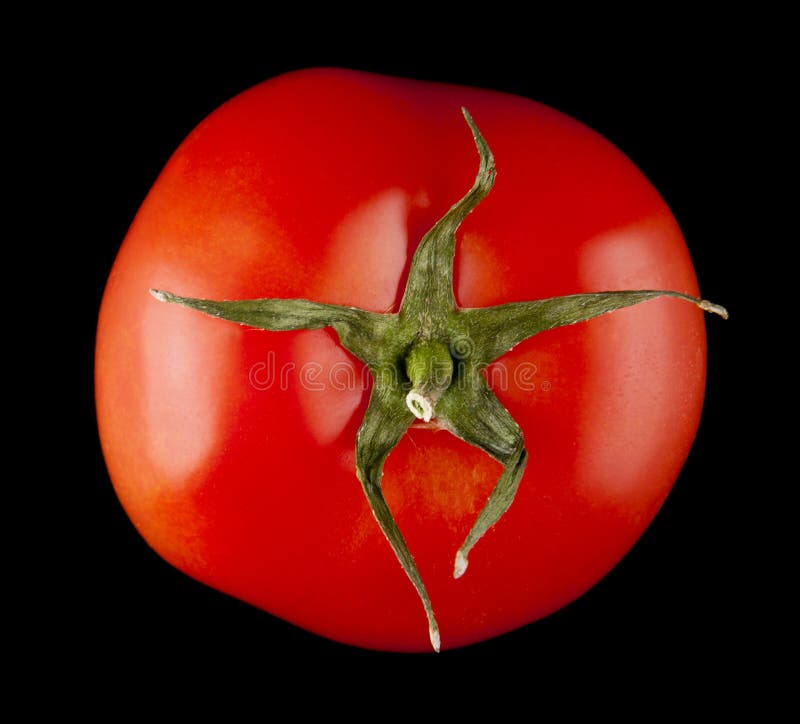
(232, 449)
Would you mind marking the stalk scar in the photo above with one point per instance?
(420, 407)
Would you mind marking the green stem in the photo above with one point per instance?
(429, 366)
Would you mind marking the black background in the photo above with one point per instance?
(676, 608)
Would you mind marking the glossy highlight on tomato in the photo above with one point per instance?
(232, 449)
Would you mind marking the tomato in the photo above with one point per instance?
(232, 449)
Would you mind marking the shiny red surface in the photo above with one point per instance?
(232, 449)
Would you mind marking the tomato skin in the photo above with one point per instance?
(319, 184)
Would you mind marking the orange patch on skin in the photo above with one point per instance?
(444, 479)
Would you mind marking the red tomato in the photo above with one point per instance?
(232, 449)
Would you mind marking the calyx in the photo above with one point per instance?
(422, 369)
